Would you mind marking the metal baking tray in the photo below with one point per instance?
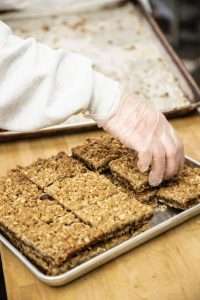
(186, 81)
(68, 127)
(161, 222)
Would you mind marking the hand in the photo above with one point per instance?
(147, 131)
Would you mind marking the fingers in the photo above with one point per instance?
(158, 165)
(172, 160)
(181, 153)
(144, 160)
(174, 155)
(182, 158)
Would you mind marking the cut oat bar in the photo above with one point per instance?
(45, 171)
(183, 192)
(51, 248)
(180, 196)
(123, 188)
(45, 231)
(97, 153)
(147, 196)
(115, 213)
(76, 258)
(35, 211)
(89, 253)
(54, 239)
(17, 188)
(82, 190)
(98, 202)
(95, 250)
(125, 169)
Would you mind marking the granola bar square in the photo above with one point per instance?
(97, 201)
(45, 171)
(97, 153)
(82, 190)
(16, 188)
(115, 213)
(148, 196)
(183, 192)
(125, 170)
(45, 232)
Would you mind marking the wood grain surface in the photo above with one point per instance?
(165, 268)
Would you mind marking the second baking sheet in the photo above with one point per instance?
(123, 45)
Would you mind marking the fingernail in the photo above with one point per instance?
(154, 182)
(142, 168)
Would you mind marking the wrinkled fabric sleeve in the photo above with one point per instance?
(41, 87)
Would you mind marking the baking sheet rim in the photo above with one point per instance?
(74, 125)
(110, 254)
(90, 124)
(86, 124)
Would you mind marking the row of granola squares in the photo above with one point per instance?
(61, 211)
(108, 155)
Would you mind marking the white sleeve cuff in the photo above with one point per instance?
(39, 86)
(106, 97)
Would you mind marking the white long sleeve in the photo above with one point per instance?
(40, 86)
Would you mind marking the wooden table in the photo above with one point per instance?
(165, 268)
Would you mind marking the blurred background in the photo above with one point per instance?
(180, 20)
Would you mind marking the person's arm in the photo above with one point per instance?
(40, 86)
